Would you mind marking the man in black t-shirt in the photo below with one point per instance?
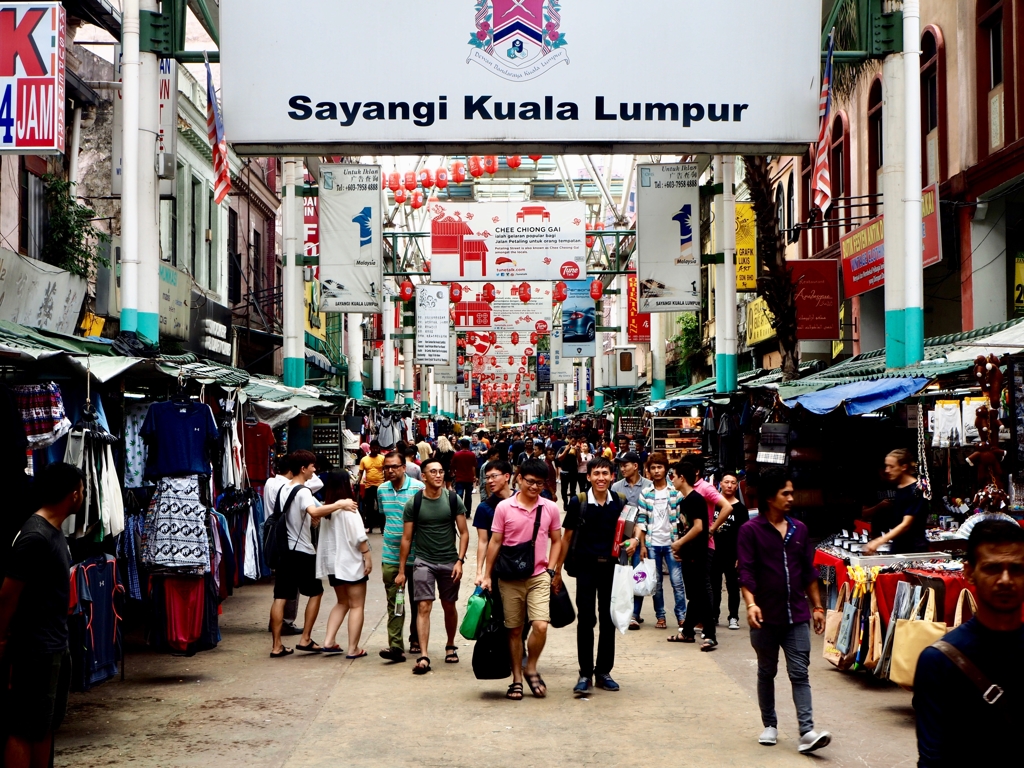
(34, 598)
(692, 550)
(723, 558)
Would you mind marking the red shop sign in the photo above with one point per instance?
(639, 327)
(816, 290)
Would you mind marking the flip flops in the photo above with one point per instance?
(332, 649)
(311, 648)
(356, 656)
(282, 653)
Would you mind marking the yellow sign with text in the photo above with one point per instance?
(746, 248)
(838, 345)
(1018, 286)
(759, 322)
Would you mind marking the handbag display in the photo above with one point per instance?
(560, 608)
(911, 637)
(834, 621)
(874, 640)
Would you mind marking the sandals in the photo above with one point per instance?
(332, 649)
(421, 669)
(634, 624)
(536, 683)
(311, 648)
(514, 692)
(414, 647)
(392, 654)
(709, 645)
(681, 638)
(356, 656)
(451, 655)
(282, 653)
(661, 624)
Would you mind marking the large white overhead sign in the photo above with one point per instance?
(531, 73)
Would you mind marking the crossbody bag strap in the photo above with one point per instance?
(990, 692)
(287, 504)
(536, 523)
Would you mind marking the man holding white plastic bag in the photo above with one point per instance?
(631, 486)
(590, 553)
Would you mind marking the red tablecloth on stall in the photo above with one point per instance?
(824, 558)
(947, 585)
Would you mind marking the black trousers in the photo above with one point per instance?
(594, 589)
(723, 564)
(698, 596)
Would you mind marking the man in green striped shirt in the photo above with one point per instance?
(392, 496)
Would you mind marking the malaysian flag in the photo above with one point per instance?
(822, 182)
(215, 132)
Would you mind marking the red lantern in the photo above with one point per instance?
(426, 178)
(476, 168)
(513, 161)
(410, 180)
(561, 292)
(406, 290)
(536, 158)
(515, 339)
(455, 293)
(524, 293)
(488, 293)
(416, 199)
(399, 195)
(394, 181)
(426, 266)
(491, 164)
(494, 361)
(590, 241)
(441, 178)
(533, 338)
(458, 171)
(596, 290)
(462, 361)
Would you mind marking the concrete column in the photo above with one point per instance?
(657, 357)
(292, 286)
(893, 193)
(149, 194)
(725, 276)
(432, 388)
(409, 383)
(130, 73)
(914, 286)
(355, 356)
(388, 352)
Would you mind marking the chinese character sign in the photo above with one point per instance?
(639, 328)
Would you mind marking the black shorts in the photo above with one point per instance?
(36, 698)
(297, 573)
(342, 583)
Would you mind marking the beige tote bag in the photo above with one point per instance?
(833, 619)
(912, 636)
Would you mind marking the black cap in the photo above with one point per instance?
(628, 457)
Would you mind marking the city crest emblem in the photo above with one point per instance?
(518, 39)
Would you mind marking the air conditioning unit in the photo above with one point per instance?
(166, 166)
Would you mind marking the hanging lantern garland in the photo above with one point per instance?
(406, 290)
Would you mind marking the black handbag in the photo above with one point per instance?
(517, 562)
(492, 658)
(561, 610)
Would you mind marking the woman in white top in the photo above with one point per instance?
(583, 457)
(343, 556)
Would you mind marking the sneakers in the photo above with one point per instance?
(582, 687)
(769, 737)
(813, 740)
(606, 682)
(734, 623)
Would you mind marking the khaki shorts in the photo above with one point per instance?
(530, 596)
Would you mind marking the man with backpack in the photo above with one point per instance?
(431, 519)
(590, 526)
(291, 551)
(518, 555)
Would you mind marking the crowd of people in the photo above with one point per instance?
(969, 689)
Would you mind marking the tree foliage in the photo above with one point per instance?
(72, 243)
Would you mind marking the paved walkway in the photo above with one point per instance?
(677, 705)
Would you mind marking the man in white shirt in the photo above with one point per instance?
(631, 486)
(297, 571)
(659, 515)
(271, 490)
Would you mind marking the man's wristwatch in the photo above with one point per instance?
(462, 560)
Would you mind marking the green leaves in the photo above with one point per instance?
(71, 240)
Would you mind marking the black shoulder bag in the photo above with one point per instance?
(275, 530)
(516, 563)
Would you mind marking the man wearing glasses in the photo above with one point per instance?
(392, 495)
(527, 522)
(497, 477)
(431, 518)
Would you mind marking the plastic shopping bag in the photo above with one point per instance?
(622, 597)
(645, 578)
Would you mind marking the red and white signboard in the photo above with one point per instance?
(508, 241)
(863, 250)
(816, 295)
(506, 310)
(32, 40)
(639, 327)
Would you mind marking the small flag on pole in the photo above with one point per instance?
(215, 132)
(822, 184)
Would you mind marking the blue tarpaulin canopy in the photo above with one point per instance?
(860, 397)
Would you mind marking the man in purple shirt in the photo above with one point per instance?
(777, 578)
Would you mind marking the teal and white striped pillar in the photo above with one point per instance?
(893, 188)
(355, 355)
(292, 287)
(725, 276)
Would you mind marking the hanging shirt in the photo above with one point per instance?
(258, 441)
(134, 446)
(178, 436)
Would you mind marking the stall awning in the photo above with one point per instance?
(859, 397)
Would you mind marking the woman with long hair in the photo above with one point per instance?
(444, 453)
(343, 556)
(907, 518)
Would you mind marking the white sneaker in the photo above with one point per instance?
(813, 740)
(769, 737)
(734, 623)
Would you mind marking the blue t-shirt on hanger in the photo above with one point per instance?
(178, 436)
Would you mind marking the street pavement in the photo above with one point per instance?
(677, 705)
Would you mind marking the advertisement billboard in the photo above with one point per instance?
(432, 337)
(579, 321)
(746, 247)
(506, 310)
(668, 237)
(351, 255)
(514, 240)
(524, 72)
(32, 43)
(816, 295)
(638, 329)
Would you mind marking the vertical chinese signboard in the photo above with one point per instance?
(32, 39)
(639, 323)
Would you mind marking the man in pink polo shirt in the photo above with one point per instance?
(518, 554)
(718, 512)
